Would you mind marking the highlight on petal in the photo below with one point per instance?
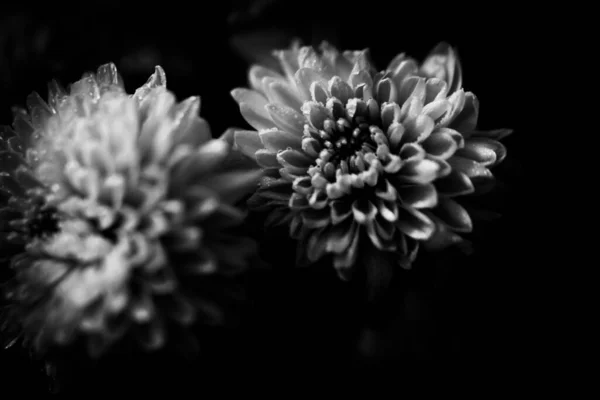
(415, 224)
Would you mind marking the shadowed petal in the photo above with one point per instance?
(415, 224)
(363, 211)
(454, 184)
(419, 196)
(453, 215)
(471, 168)
(466, 121)
(440, 145)
(340, 236)
(267, 159)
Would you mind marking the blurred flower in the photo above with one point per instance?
(119, 213)
(359, 159)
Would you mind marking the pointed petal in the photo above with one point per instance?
(453, 215)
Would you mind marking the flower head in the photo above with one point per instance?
(123, 210)
(361, 162)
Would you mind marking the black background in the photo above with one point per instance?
(465, 318)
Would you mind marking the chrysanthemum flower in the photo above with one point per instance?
(361, 162)
(120, 213)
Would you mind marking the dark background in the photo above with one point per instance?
(465, 317)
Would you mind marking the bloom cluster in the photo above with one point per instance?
(120, 214)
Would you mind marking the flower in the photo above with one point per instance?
(121, 213)
(359, 159)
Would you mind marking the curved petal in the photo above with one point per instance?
(420, 172)
(440, 145)
(280, 92)
(267, 159)
(453, 215)
(454, 184)
(257, 117)
(248, 142)
(419, 196)
(363, 211)
(466, 120)
(471, 168)
(487, 152)
(287, 119)
(274, 140)
(415, 224)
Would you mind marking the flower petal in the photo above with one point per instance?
(267, 159)
(453, 215)
(454, 184)
(419, 196)
(363, 211)
(466, 121)
(443, 63)
(344, 262)
(442, 238)
(313, 218)
(316, 113)
(305, 78)
(440, 145)
(252, 97)
(402, 70)
(279, 92)
(257, 117)
(412, 87)
(437, 89)
(340, 89)
(274, 140)
(340, 210)
(418, 129)
(420, 172)
(248, 142)
(339, 237)
(257, 73)
(295, 158)
(497, 134)
(485, 151)
(386, 91)
(414, 224)
(471, 168)
(287, 119)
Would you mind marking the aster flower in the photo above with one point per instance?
(119, 211)
(364, 163)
